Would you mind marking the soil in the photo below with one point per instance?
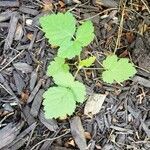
(123, 123)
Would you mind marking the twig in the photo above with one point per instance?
(142, 69)
(78, 5)
(138, 66)
(76, 72)
(148, 9)
(12, 60)
(98, 14)
(30, 136)
(5, 89)
(5, 117)
(50, 139)
(120, 28)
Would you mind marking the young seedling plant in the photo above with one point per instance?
(62, 31)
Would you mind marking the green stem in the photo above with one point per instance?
(93, 68)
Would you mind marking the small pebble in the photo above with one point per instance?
(29, 22)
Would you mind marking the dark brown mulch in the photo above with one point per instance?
(124, 120)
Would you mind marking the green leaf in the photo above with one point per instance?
(87, 62)
(56, 66)
(58, 28)
(79, 91)
(67, 80)
(63, 79)
(117, 69)
(85, 33)
(69, 50)
(58, 102)
(110, 61)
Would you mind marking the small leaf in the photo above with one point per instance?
(110, 61)
(58, 102)
(67, 80)
(59, 28)
(79, 91)
(117, 69)
(87, 62)
(69, 49)
(63, 79)
(85, 33)
(57, 66)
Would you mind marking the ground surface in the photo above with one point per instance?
(124, 119)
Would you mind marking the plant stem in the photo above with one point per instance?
(76, 73)
(93, 68)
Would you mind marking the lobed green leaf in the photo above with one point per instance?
(69, 50)
(79, 91)
(85, 33)
(117, 69)
(57, 66)
(67, 80)
(58, 28)
(58, 102)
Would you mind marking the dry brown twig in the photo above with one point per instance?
(12, 60)
(50, 139)
(120, 28)
(148, 9)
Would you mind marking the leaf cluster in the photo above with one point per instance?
(61, 100)
(61, 30)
